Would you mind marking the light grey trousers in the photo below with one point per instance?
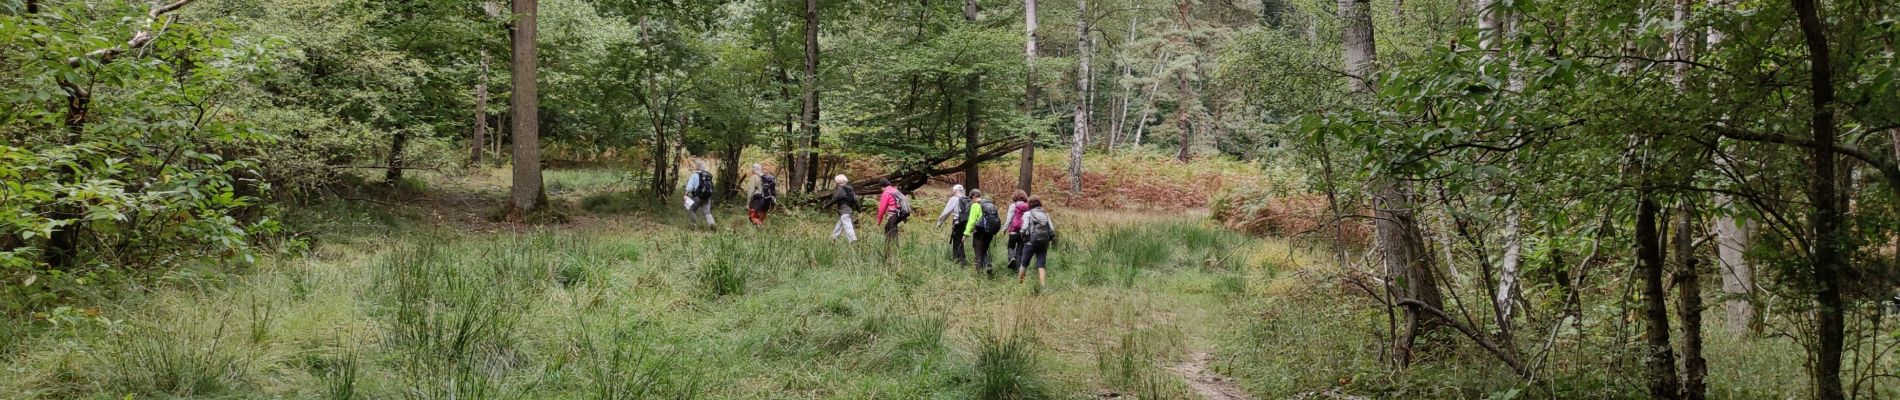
(845, 228)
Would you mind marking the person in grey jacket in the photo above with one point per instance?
(1039, 232)
(846, 201)
(954, 210)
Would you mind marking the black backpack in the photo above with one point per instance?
(705, 188)
(989, 224)
(768, 186)
(1039, 231)
(963, 214)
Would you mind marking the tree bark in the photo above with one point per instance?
(972, 169)
(1361, 50)
(1082, 95)
(1826, 215)
(526, 194)
(809, 167)
(480, 138)
(1147, 106)
(1027, 176)
(1660, 359)
(1695, 368)
(392, 164)
(1189, 101)
(1408, 268)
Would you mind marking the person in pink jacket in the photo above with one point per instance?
(893, 208)
(1013, 225)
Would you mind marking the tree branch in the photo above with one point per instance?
(140, 39)
(1488, 345)
(1886, 165)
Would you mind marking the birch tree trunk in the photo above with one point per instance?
(1082, 95)
(1026, 177)
(526, 193)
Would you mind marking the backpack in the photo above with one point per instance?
(768, 186)
(963, 213)
(704, 190)
(903, 205)
(1039, 231)
(989, 224)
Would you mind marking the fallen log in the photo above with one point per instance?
(909, 177)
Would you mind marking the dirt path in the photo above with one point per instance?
(1210, 385)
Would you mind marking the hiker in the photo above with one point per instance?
(1038, 234)
(959, 207)
(699, 193)
(846, 200)
(983, 225)
(1012, 226)
(896, 206)
(762, 194)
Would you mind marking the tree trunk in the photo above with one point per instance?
(1184, 91)
(1082, 95)
(1027, 176)
(1147, 106)
(1660, 358)
(1826, 215)
(972, 170)
(1124, 72)
(1408, 270)
(392, 164)
(809, 167)
(526, 193)
(1695, 369)
(1361, 50)
(480, 138)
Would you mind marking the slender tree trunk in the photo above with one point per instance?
(393, 162)
(1186, 97)
(658, 187)
(526, 192)
(1125, 72)
(809, 168)
(480, 138)
(1082, 95)
(1660, 358)
(1826, 215)
(479, 141)
(972, 170)
(1695, 369)
(1026, 178)
(1147, 106)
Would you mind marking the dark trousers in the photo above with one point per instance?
(982, 246)
(1031, 251)
(1013, 250)
(956, 245)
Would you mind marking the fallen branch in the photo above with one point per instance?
(1482, 341)
(910, 177)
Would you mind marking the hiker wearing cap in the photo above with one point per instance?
(893, 207)
(845, 200)
(699, 194)
(957, 211)
(982, 227)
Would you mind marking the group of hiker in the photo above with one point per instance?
(1024, 223)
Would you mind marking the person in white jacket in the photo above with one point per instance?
(956, 210)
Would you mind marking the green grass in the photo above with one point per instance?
(637, 309)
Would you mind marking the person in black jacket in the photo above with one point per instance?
(846, 201)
